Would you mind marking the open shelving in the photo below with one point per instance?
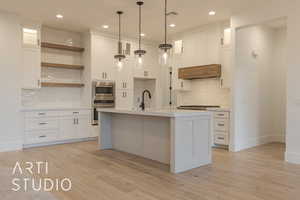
(62, 66)
(61, 47)
(59, 84)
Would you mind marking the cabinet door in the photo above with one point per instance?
(31, 68)
(31, 36)
(226, 63)
(124, 99)
(103, 62)
(68, 129)
(83, 126)
(124, 78)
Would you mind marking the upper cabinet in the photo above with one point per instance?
(102, 57)
(31, 36)
(149, 68)
(31, 53)
(226, 56)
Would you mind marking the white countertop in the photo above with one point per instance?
(53, 108)
(159, 113)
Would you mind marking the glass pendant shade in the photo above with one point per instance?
(165, 48)
(165, 58)
(139, 53)
(120, 56)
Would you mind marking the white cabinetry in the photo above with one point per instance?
(179, 84)
(226, 57)
(124, 99)
(102, 60)
(149, 69)
(31, 54)
(226, 63)
(56, 126)
(221, 128)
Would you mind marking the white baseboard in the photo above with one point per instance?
(11, 146)
(60, 142)
(253, 142)
(292, 157)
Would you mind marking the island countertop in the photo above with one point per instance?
(159, 112)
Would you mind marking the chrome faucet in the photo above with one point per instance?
(143, 99)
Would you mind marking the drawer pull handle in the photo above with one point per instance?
(75, 112)
(221, 125)
(220, 114)
(42, 136)
(42, 114)
(43, 123)
(221, 138)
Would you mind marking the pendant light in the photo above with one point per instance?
(165, 47)
(120, 56)
(139, 53)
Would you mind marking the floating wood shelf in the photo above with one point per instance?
(55, 84)
(64, 66)
(62, 47)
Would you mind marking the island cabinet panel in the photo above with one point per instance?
(200, 72)
(180, 139)
(190, 143)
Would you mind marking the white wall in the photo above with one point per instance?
(274, 10)
(202, 46)
(258, 100)
(10, 76)
(278, 89)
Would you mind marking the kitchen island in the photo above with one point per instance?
(179, 138)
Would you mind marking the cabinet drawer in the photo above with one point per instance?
(223, 115)
(221, 125)
(41, 114)
(35, 137)
(75, 112)
(221, 139)
(41, 124)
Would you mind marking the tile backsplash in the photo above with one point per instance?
(205, 92)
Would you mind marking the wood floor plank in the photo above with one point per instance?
(255, 174)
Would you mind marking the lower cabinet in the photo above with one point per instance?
(58, 126)
(221, 128)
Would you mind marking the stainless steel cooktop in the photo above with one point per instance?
(197, 107)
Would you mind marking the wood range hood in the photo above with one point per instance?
(200, 72)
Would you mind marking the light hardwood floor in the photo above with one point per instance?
(255, 174)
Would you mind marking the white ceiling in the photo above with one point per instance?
(80, 15)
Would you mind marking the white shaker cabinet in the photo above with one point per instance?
(102, 57)
(46, 127)
(150, 67)
(124, 99)
(124, 78)
(67, 128)
(226, 63)
(31, 68)
(31, 57)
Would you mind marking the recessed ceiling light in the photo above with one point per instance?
(59, 16)
(211, 13)
(172, 25)
(105, 26)
(143, 34)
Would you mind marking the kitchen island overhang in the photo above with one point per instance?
(179, 138)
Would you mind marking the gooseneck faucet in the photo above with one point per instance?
(143, 99)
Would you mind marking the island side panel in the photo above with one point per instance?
(190, 142)
(145, 136)
(105, 135)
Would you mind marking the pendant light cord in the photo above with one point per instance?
(165, 21)
(119, 33)
(140, 26)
